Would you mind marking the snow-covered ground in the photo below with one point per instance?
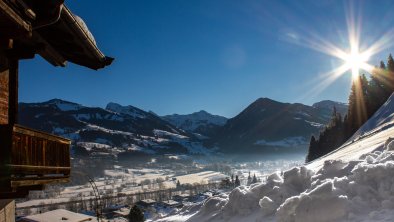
(353, 183)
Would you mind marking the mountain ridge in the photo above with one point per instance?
(128, 129)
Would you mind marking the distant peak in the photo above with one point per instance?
(57, 101)
(63, 105)
(327, 103)
(128, 110)
(265, 101)
(112, 105)
(202, 112)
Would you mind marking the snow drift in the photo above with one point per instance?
(358, 190)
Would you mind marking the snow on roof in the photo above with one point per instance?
(60, 215)
(148, 201)
(182, 195)
(123, 211)
(170, 202)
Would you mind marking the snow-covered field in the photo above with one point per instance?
(202, 177)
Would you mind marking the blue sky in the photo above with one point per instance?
(180, 56)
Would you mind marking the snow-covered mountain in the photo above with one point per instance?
(353, 183)
(200, 122)
(112, 131)
(121, 129)
(268, 123)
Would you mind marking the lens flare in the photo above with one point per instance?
(353, 58)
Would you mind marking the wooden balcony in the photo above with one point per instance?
(32, 158)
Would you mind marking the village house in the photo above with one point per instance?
(58, 215)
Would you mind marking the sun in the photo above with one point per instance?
(354, 55)
(356, 60)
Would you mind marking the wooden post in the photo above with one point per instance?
(13, 90)
(7, 210)
(5, 135)
(4, 81)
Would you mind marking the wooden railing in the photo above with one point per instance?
(35, 155)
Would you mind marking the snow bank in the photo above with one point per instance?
(358, 190)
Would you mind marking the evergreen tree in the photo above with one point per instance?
(382, 65)
(237, 182)
(390, 72)
(329, 139)
(312, 150)
(249, 179)
(254, 180)
(384, 75)
(356, 115)
(376, 92)
(136, 214)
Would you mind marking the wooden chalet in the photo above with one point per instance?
(29, 159)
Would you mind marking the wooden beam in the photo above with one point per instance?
(39, 167)
(22, 52)
(48, 52)
(11, 24)
(36, 133)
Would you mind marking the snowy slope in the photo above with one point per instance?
(383, 118)
(353, 183)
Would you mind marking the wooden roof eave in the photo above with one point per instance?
(89, 44)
